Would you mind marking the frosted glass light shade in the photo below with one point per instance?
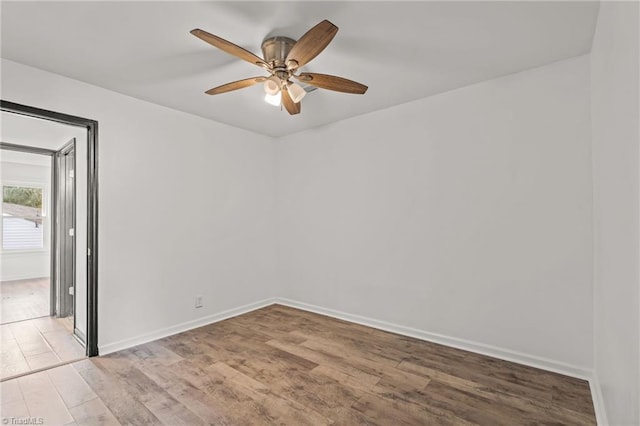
(272, 85)
(273, 99)
(296, 92)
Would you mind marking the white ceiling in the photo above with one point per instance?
(402, 50)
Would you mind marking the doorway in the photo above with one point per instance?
(72, 223)
(37, 333)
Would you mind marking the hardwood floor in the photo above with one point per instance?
(37, 343)
(280, 365)
(24, 299)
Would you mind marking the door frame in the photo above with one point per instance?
(92, 205)
(62, 234)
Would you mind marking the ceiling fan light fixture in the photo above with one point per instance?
(274, 100)
(296, 92)
(283, 56)
(272, 85)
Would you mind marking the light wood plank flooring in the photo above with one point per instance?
(24, 299)
(37, 343)
(279, 365)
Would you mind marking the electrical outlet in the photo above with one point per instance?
(198, 301)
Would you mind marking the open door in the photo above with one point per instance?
(65, 230)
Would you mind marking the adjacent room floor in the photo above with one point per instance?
(31, 339)
(286, 366)
(37, 343)
(24, 299)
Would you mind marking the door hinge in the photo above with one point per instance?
(88, 252)
(71, 291)
(71, 174)
(72, 232)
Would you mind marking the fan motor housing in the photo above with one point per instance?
(275, 50)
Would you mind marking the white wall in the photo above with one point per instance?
(186, 206)
(615, 123)
(34, 263)
(36, 132)
(466, 214)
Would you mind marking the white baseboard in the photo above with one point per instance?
(467, 345)
(179, 328)
(598, 401)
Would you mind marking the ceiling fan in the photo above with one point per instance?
(283, 57)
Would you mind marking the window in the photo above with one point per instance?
(22, 218)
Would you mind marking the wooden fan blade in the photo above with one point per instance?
(292, 107)
(240, 84)
(331, 82)
(312, 43)
(229, 47)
